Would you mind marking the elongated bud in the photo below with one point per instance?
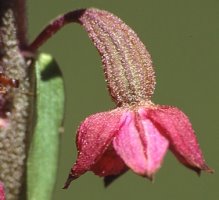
(127, 64)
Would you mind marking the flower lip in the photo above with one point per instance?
(140, 144)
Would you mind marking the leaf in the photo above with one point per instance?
(44, 148)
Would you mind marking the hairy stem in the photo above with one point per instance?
(19, 11)
(15, 103)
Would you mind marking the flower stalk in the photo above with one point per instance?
(54, 26)
(28, 125)
(15, 103)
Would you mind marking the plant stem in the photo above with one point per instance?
(55, 26)
(19, 9)
(21, 21)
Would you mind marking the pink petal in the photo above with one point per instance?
(94, 136)
(140, 144)
(176, 127)
(2, 192)
(109, 164)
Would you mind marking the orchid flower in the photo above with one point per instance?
(137, 133)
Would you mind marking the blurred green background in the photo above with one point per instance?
(183, 39)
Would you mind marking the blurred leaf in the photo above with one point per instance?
(44, 148)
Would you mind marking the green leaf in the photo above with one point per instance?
(44, 147)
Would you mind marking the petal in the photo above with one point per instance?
(109, 164)
(140, 144)
(94, 136)
(2, 192)
(175, 125)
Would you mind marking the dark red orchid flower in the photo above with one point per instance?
(137, 133)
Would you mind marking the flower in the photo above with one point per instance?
(137, 138)
(2, 191)
(137, 133)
